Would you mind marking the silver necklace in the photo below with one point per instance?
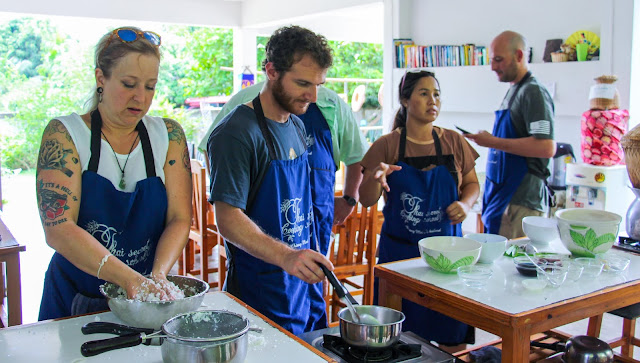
(122, 184)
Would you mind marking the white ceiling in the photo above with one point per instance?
(361, 23)
(351, 20)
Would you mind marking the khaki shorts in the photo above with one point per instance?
(511, 225)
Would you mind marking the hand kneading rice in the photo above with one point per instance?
(172, 290)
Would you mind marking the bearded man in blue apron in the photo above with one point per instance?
(260, 186)
(429, 182)
(521, 144)
(113, 185)
(333, 135)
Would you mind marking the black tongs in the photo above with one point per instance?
(96, 327)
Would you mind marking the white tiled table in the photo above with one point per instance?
(504, 307)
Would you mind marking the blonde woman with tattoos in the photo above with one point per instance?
(113, 185)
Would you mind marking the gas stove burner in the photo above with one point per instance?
(396, 353)
(629, 244)
(367, 356)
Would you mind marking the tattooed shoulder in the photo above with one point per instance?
(175, 131)
(56, 126)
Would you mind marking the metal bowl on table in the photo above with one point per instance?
(371, 336)
(152, 314)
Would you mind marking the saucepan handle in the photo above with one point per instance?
(112, 328)
(340, 290)
(95, 347)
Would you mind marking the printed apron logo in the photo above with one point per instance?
(415, 219)
(295, 220)
(107, 235)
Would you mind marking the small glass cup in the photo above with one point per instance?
(554, 273)
(592, 266)
(614, 263)
(574, 270)
(475, 276)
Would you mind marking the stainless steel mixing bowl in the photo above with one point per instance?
(152, 314)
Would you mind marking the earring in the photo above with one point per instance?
(100, 90)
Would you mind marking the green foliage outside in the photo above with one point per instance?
(350, 60)
(45, 73)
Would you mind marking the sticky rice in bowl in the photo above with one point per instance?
(445, 254)
(587, 232)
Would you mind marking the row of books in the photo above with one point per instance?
(410, 55)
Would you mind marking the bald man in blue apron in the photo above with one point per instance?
(521, 143)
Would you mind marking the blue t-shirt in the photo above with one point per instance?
(239, 155)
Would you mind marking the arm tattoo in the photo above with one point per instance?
(52, 156)
(175, 131)
(52, 202)
(186, 160)
(55, 126)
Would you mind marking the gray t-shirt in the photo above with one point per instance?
(532, 114)
(240, 158)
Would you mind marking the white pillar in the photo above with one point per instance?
(244, 54)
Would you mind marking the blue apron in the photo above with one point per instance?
(323, 177)
(129, 225)
(505, 171)
(416, 208)
(283, 210)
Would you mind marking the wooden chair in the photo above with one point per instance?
(628, 340)
(203, 235)
(353, 253)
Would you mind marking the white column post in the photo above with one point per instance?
(244, 54)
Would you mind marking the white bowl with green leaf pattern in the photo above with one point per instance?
(587, 232)
(445, 254)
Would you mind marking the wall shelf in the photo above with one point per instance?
(477, 89)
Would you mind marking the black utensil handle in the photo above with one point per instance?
(340, 290)
(557, 346)
(112, 328)
(333, 280)
(95, 347)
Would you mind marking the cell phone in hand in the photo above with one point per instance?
(462, 130)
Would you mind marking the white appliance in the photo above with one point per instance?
(599, 187)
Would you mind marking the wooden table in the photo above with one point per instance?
(9, 254)
(504, 307)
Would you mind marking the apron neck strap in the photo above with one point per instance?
(96, 131)
(522, 81)
(403, 144)
(262, 122)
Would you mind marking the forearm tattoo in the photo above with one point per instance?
(53, 202)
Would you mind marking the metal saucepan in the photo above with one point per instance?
(581, 349)
(152, 314)
(198, 336)
(366, 336)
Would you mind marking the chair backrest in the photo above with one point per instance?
(356, 238)
(199, 197)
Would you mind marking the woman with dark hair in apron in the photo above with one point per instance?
(429, 182)
(113, 185)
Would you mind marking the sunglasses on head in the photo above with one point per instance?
(415, 71)
(128, 35)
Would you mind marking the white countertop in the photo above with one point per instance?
(505, 291)
(60, 341)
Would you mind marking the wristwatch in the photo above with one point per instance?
(350, 200)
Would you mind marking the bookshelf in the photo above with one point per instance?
(475, 89)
